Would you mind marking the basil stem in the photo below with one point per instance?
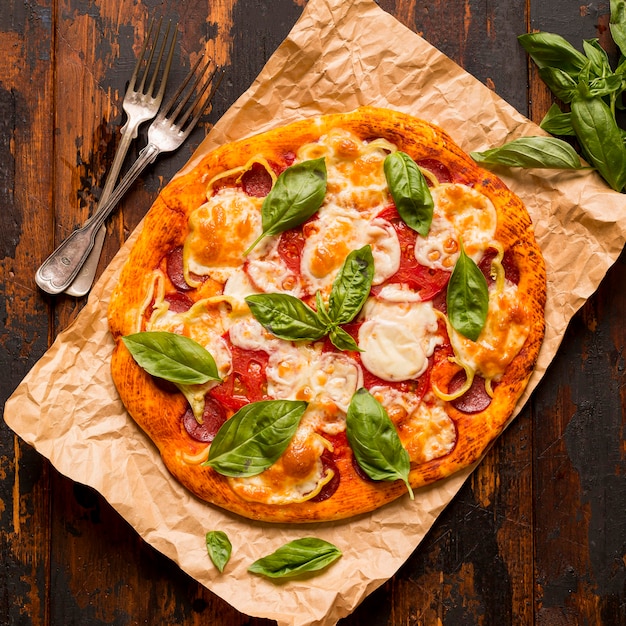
(600, 138)
(351, 286)
(286, 316)
(296, 195)
(218, 548)
(255, 437)
(300, 556)
(409, 191)
(173, 357)
(467, 297)
(374, 440)
(545, 152)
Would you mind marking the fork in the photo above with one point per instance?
(166, 133)
(140, 104)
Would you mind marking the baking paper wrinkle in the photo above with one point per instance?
(68, 409)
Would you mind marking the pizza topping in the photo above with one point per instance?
(409, 191)
(213, 417)
(397, 338)
(477, 398)
(175, 269)
(256, 176)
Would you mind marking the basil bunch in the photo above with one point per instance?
(287, 317)
(593, 90)
(296, 195)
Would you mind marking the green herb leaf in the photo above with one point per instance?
(562, 85)
(598, 58)
(286, 316)
(467, 297)
(374, 440)
(300, 556)
(351, 286)
(296, 195)
(172, 357)
(544, 152)
(255, 437)
(343, 340)
(550, 50)
(556, 122)
(617, 24)
(409, 191)
(600, 138)
(218, 548)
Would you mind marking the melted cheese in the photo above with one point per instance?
(459, 212)
(502, 337)
(397, 338)
(268, 272)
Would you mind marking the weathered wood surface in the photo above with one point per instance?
(537, 535)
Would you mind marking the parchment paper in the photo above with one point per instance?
(338, 56)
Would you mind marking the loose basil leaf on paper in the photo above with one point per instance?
(556, 122)
(467, 297)
(617, 24)
(374, 440)
(351, 286)
(218, 548)
(173, 357)
(409, 191)
(296, 195)
(255, 437)
(286, 316)
(551, 50)
(300, 556)
(600, 138)
(542, 152)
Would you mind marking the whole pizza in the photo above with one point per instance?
(322, 318)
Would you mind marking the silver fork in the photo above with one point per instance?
(141, 104)
(167, 133)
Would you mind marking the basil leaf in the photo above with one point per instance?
(598, 58)
(544, 152)
(467, 297)
(374, 440)
(286, 316)
(351, 286)
(600, 139)
(409, 191)
(556, 122)
(255, 437)
(172, 357)
(562, 85)
(308, 554)
(342, 340)
(218, 548)
(617, 24)
(296, 195)
(550, 50)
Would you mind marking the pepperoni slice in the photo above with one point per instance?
(212, 419)
(256, 181)
(174, 268)
(475, 399)
(179, 302)
(511, 271)
(290, 247)
(441, 172)
(333, 484)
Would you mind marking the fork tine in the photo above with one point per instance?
(199, 105)
(152, 49)
(168, 63)
(139, 62)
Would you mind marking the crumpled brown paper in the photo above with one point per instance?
(333, 60)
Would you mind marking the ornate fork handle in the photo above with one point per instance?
(58, 271)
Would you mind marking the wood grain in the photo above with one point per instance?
(535, 536)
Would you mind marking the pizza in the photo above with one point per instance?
(319, 319)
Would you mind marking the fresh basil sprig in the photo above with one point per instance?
(296, 195)
(409, 191)
(374, 440)
(219, 548)
(287, 317)
(544, 152)
(300, 556)
(593, 89)
(467, 298)
(173, 357)
(255, 437)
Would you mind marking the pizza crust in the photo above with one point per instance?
(157, 408)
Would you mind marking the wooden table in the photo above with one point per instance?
(537, 534)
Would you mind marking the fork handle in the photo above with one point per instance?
(58, 271)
